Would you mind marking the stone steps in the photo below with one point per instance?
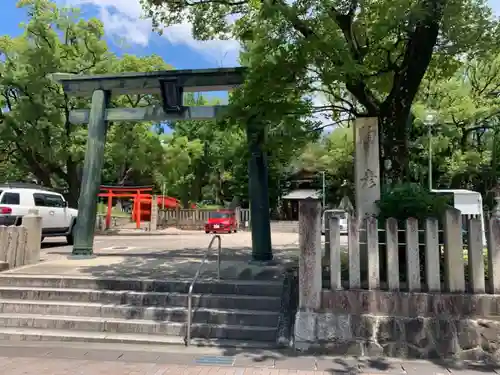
(60, 308)
(153, 313)
(136, 326)
(202, 286)
(32, 334)
(142, 298)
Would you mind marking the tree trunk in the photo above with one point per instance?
(394, 132)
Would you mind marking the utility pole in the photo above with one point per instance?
(430, 121)
(323, 188)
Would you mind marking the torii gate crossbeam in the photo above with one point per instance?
(170, 85)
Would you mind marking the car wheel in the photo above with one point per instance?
(70, 237)
(207, 232)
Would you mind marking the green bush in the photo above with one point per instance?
(411, 200)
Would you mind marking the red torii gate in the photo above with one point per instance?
(135, 192)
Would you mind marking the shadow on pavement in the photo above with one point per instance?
(50, 245)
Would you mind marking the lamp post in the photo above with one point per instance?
(323, 181)
(430, 120)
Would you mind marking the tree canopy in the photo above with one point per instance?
(367, 57)
(207, 161)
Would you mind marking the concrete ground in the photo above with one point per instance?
(96, 359)
(171, 254)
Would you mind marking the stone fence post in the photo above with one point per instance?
(237, 214)
(310, 271)
(153, 223)
(3, 248)
(33, 224)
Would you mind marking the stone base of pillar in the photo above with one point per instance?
(82, 251)
(304, 330)
(81, 256)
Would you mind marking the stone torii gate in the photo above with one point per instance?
(170, 85)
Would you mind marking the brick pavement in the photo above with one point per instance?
(42, 359)
(53, 366)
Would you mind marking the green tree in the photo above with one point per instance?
(38, 141)
(464, 139)
(367, 57)
(179, 158)
(35, 121)
(133, 150)
(334, 155)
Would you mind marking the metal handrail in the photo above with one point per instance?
(195, 278)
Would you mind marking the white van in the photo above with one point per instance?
(341, 214)
(17, 199)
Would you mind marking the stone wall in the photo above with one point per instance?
(398, 324)
(20, 245)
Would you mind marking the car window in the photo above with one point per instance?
(39, 200)
(219, 215)
(48, 200)
(10, 198)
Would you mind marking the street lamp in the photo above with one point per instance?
(429, 121)
(323, 180)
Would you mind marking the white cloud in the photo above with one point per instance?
(122, 19)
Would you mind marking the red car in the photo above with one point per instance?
(221, 222)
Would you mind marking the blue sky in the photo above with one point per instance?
(176, 46)
(122, 22)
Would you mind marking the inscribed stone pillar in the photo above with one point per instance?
(367, 166)
(366, 177)
(91, 179)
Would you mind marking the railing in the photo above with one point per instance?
(195, 278)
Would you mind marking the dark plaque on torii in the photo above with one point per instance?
(171, 94)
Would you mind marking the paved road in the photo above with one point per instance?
(97, 359)
(175, 241)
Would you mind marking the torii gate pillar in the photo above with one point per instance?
(170, 85)
(91, 179)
